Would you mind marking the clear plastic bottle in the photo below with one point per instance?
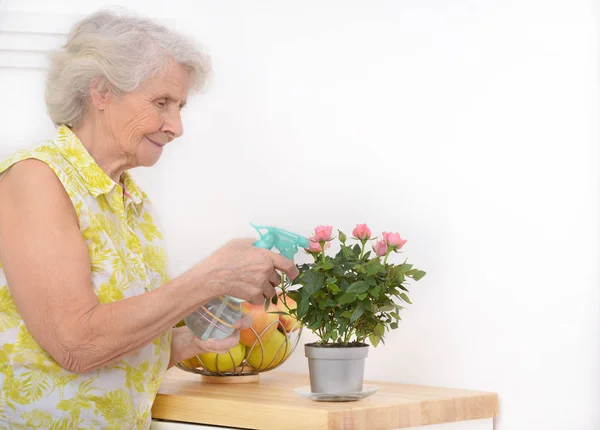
(215, 319)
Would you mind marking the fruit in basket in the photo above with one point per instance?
(263, 323)
(222, 362)
(192, 362)
(288, 322)
(276, 349)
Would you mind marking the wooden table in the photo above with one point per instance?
(271, 403)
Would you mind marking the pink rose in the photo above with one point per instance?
(394, 240)
(314, 246)
(380, 248)
(323, 233)
(362, 232)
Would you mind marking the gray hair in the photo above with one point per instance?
(123, 51)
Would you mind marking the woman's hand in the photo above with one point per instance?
(185, 344)
(247, 272)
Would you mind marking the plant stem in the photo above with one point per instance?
(387, 254)
(282, 282)
(283, 292)
(344, 250)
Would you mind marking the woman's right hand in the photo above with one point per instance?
(246, 272)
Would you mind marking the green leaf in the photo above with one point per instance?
(405, 298)
(267, 304)
(362, 296)
(405, 267)
(347, 298)
(314, 325)
(347, 314)
(360, 269)
(314, 286)
(342, 236)
(394, 325)
(374, 339)
(371, 281)
(419, 275)
(400, 277)
(331, 280)
(379, 329)
(278, 312)
(358, 287)
(373, 267)
(387, 308)
(303, 307)
(360, 309)
(338, 271)
(307, 277)
(333, 288)
(374, 291)
(327, 265)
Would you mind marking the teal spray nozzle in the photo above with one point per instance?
(285, 242)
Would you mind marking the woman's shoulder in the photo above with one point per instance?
(31, 185)
(34, 170)
(43, 151)
(30, 172)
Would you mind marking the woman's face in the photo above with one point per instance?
(142, 122)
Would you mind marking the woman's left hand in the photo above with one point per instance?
(185, 344)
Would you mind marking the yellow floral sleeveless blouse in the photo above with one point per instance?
(128, 259)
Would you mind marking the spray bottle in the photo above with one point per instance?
(215, 319)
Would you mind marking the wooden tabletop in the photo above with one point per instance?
(271, 403)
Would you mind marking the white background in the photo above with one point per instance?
(471, 127)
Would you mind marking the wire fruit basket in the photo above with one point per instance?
(257, 352)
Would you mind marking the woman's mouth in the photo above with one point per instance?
(160, 145)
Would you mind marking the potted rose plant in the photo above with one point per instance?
(348, 299)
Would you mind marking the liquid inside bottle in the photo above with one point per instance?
(215, 319)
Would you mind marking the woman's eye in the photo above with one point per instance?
(160, 103)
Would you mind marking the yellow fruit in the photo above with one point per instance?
(274, 349)
(223, 362)
(192, 362)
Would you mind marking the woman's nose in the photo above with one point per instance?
(173, 126)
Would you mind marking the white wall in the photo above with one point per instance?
(470, 127)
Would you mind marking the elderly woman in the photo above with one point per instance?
(86, 306)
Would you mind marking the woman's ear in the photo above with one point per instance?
(99, 93)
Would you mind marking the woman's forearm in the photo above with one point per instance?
(108, 332)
